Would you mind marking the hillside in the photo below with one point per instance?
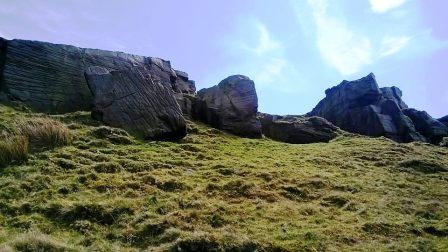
(105, 190)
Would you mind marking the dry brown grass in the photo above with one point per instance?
(13, 149)
(43, 133)
(31, 135)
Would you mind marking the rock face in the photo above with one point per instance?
(50, 77)
(297, 129)
(444, 120)
(136, 101)
(394, 94)
(183, 84)
(432, 129)
(231, 106)
(361, 107)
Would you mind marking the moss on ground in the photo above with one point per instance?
(108, 191)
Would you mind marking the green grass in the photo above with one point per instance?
(108, 191)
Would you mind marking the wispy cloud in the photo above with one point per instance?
(265, 43)
(341, 47)
(265, 59)
(392, 45)
(270, 71)
(382, 6)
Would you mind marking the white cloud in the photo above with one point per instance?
(382, 6)
(391, 45)
(266, 57)
(265, 43)
(340, 47)
(270, 71)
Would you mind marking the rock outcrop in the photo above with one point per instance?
(432, 129)
(362, 107)
(136, 101)
(232, 106)
(2, 58)
(394, 94)
(444, 120)
(183, 84)
(50, 77)
(297, 129)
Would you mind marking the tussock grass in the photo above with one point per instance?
(107, 191)
(13, 149)
(43, 132)
(22, 135)
(36, 241)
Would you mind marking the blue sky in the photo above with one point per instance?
(292, 49)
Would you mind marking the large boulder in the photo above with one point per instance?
(429, 127)
(361, 107)
(232, 106)
(135, 100)
(50, 77)
(297, 129)
(444, 120)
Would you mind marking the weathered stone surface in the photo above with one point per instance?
(2, 60)
(231, 105)
(183, 84)
(361, 107)
(135, 100)
(50, 77)
(187, 103)
(395, 94)
(429, 127)
(444, 120)
(297, 129)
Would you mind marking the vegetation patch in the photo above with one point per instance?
(13, 149)
(43, 133)
(114, 135)
(93, 212)
(213, 191)
(36, 241)
(382, 228)
(423, 165)
(107, 167)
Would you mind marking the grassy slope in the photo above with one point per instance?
(215, 190)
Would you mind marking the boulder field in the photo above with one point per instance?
(148, 98)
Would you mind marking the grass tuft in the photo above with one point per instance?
(43, 133)
(36, 241)
(423, 165)
(13, 149)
